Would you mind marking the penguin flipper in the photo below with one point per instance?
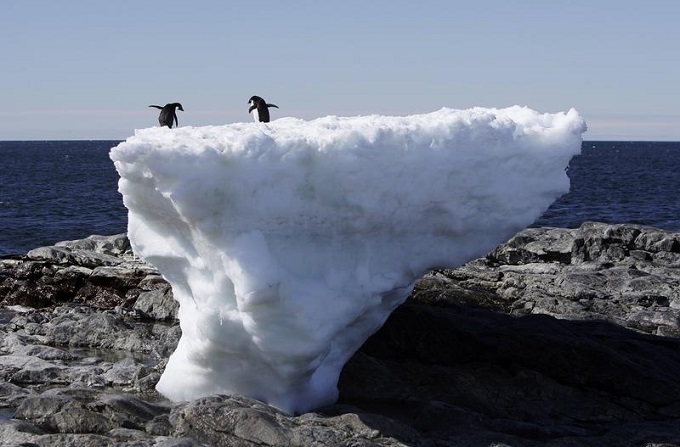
(272, 105)
(251, 108)
(158, 107)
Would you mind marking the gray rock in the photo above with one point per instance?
(64, 255)
(559, 337)
(82, 410)
(626, 274)
(229, 421)
(116, 245)
(81, 326)
(18, 433)
(177, 442)
(157, 304)
(125, 372)
(99, 271)
(238, 421)
(63, 412)
(11, 396)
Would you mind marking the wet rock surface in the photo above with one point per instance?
(563, 337)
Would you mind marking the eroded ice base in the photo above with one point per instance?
(287, 244)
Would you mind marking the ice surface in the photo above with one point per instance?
(287, 244)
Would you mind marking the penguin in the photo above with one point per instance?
(168, 114)
(260, 109)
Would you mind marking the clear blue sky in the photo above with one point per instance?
(88, 69)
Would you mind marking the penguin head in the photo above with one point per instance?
(255, 100)
(178, 106)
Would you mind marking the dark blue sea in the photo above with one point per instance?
(52, 191)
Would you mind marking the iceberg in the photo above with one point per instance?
(287, 244)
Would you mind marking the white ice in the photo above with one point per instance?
(287, 244)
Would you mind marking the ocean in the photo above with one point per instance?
(53, 191)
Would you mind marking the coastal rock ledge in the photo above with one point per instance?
(559, 337)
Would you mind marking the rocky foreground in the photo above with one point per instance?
(559, 337)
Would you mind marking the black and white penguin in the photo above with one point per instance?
(168, 114)
(260, 109)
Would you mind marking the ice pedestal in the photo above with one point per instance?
(288, 244)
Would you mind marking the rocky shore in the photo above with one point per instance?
(559, 337)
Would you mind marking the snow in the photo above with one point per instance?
(287, 244)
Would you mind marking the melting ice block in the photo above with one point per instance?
(287, 244)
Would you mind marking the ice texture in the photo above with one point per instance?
(287, 244)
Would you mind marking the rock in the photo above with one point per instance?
(157, 304)
(505, 366)
(117, 245)
(132, 362)
(558, 337)
(64, 255)
(220, 421)
(12, 395)
(626, 274)
(79, 410)
(100, 271)
(80, 326)
(126, 371)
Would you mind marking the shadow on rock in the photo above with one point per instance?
(471, 376)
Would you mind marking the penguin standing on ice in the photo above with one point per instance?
(260, 109)
(168, 114)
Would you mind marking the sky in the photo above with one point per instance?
(88, 69)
